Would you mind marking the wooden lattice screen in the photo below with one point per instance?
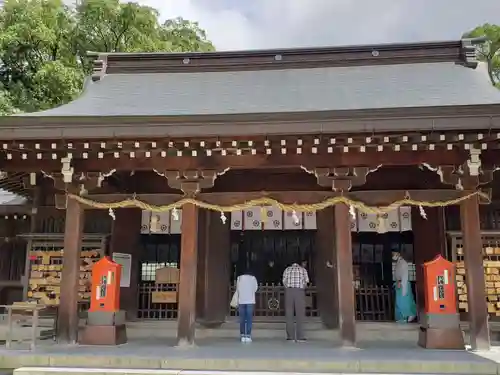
(44, 266)
(491, 262)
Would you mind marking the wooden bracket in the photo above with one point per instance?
(461, 178)
(191, 182)
(341, 179)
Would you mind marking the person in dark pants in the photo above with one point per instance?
(295, 280)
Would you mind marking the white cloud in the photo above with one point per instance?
(243, 24)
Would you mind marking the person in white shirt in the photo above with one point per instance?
(246, 287)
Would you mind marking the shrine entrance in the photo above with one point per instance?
(373, 272)
(267, 253)
(158, 251)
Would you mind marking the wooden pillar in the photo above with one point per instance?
(124, 239)
(214, 269)
(187, 282)
(202, 264)
(326, 268)
(67, 322)
(474, 274)
(429, 241)
(346, 302)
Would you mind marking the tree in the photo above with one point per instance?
(489, 52)
(44, 45)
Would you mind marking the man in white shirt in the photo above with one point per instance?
(246, 287)
(295, 280)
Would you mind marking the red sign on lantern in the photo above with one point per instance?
(105, 286)
(439, 282)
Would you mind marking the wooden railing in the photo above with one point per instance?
(270, 301)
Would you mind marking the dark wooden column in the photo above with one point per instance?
(187, 282)
(214, 268)
(201, 264)
(429, 241)
(473, 256)
(326, 268)
(346, 302)
(67, 322)
(125, 239)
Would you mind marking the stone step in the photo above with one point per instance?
(365, 331)
(109, 371)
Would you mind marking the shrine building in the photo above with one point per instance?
(366, 125)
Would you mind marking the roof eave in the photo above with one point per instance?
(65, 127)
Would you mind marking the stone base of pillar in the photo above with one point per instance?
(104, 328)
(441, 331)
(435, 338)
(104, 335)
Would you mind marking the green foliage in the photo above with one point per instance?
(44, 45)
(489, 52)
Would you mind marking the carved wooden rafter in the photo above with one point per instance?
(341, 179)
(80, 183)
(191, 182)
(471, 175)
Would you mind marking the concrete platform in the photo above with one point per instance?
(276, 330)
(315, 356)
(82, 371)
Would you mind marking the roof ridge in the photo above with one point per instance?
(459, 51)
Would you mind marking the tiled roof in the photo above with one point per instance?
(282, 91)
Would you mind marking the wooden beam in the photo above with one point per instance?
(218, 162)
(347, 304)
(187, 283)
(473, 256)
(18, 209)
(67, 329)
(371, 198)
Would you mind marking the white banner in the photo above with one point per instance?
(160, 222)
(252, 219)
(367, 222)
(309, 220)
(237, 220)
(392, 223)
(274, 219)
(145, 222)
(290, 223)
(405, 218)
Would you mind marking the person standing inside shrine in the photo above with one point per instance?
(295, 280)
(405, 307)
(246, 287)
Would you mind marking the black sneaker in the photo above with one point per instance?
(301, 340)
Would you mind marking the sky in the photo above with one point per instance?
(253, 24)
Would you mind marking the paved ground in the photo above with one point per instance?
(265, 355)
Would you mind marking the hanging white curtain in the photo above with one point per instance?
(237, 220)
(274, 218)
(252, 219)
